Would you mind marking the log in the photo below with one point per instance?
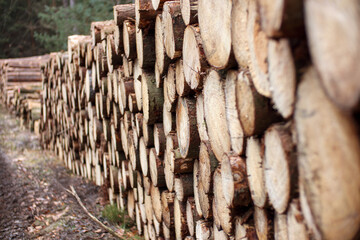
(170, 96)
(145, 13)
(233, 121)
(282, 19)
(215, 114)
(200, 118)
(167, 201)
(281, 227)
(137, 83)
(182, 87)
(95, 30)
(186, 128)
(162, 60)
(183, 186)
(254, 168)
(258, 51)
(339, 167)
(207, 165)
(204, 230)
(145, 47)
(194, 60)
(173, 29)
(152, 99)
(156, 167)
(191, 215)
(169, 121)
(181, 229)
(123, 12)
(148, 134)
(169, 175)
(129, 39)
(280, 166)
(189, 11)
(196, 173)
(235, 186)
(320, 24)
(157, 4)
(159, 139)
(295, 222)
(282, 78)
(263, 224)
(255, 110)
(215, 29)
(143, 154)
(156, 203)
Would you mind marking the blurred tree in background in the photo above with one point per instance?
(30, 28)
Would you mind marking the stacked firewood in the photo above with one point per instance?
(206, 119)
(20, 88)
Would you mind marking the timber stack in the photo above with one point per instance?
(21, 88)
(216, 119)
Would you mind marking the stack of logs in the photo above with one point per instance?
(216, 119)
(21, 88)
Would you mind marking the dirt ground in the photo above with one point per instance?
(33, 200)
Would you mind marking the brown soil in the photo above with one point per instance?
(33, 201)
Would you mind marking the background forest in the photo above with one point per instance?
(30, 28)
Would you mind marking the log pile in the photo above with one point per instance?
(20, 88)
(209, 119)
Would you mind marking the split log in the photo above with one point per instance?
(215, 114)
(215, 29)
(324, 171)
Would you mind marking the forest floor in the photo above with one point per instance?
(34, 203)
